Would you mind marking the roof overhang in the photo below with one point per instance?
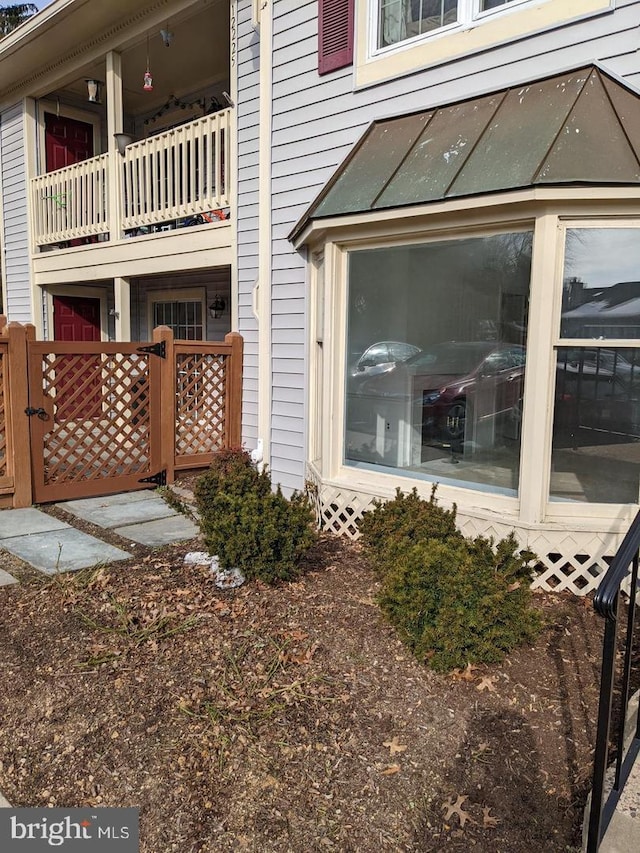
(573, 133)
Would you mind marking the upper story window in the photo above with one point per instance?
(400, 20)
(399, 37)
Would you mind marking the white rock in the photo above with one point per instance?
(198, 558)
(228, 578)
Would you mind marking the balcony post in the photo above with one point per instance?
(114, 125)
(122, 300)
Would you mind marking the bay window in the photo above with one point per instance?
(436, 356)
(596, 428)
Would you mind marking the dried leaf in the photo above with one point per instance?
(465, 674)
(455, 808)
(487, 819)
(394, 746)
(390, 770)
(487, 683)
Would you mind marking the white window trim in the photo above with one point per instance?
(480, 31)
(532, 509)
(191, 294)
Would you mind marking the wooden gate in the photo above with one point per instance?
(94, 412)
(113, 417)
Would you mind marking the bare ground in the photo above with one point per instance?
(287, 718)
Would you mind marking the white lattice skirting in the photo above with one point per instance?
(568, 559)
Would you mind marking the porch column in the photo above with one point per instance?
(122, 295)
(114, 125)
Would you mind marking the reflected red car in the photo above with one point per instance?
(457, 387)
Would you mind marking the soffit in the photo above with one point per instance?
(577, 128)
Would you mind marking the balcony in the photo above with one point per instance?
(172, 179)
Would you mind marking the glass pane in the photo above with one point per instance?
(183, 318)
(596, 428)
(436, 338)
(601, 283)
(485, 5)
(404, 19)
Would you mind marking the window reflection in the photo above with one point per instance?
(436, 343)
(596, 431)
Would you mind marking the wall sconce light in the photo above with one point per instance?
(122, 140)
(216, 309)
(93, 91)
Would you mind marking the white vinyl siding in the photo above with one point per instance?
(316, 121)
(15, 231)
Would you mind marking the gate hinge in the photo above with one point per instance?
(159, 479)
(155, 349)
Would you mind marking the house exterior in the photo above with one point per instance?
(420, 215)
(355, 233)
(116, 154)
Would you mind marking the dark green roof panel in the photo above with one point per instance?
(581, 127)
(364, 174)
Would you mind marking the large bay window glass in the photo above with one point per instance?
(596, 428)
(436, 346)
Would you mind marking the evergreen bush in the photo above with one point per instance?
(458, 601)
(395, 525)
(248, 526)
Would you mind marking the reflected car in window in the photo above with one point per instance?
(380, 358)
(454, 388)
(597, 389)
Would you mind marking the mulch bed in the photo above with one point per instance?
(287, 718)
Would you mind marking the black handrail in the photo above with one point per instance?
(606, 601)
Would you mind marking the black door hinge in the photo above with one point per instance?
(155, 349)
(159, 479)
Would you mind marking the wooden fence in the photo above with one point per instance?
(196, 394)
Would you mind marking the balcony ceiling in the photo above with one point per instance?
(65, 33)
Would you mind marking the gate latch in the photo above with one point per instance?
(39, 412)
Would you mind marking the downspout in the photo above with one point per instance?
(263, 286)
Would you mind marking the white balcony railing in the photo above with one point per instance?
(71, 203)
(176, 174)
(173, 175)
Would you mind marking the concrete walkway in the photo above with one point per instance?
(52, 546)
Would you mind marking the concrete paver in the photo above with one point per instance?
(22, 522)
(61, 550)
(119, 510)
(6, 579)
(162, 531)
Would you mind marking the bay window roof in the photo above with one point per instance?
(577, 128)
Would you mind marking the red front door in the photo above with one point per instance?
(76, 318)
(67, 141)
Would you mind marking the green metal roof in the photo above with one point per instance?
(581, 127)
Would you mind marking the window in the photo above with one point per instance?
(398, 37)
(404, 19)
(440, 392)
(596, 428)
(181, 311)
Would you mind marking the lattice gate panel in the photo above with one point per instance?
(92, 418)
(573, 560)
(201, 380)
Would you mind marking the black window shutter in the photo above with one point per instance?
(335, 34)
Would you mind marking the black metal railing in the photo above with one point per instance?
(607, 603)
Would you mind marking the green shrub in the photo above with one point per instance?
(232, 472)
(458, 601)
(406, 520)
(247, 525)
